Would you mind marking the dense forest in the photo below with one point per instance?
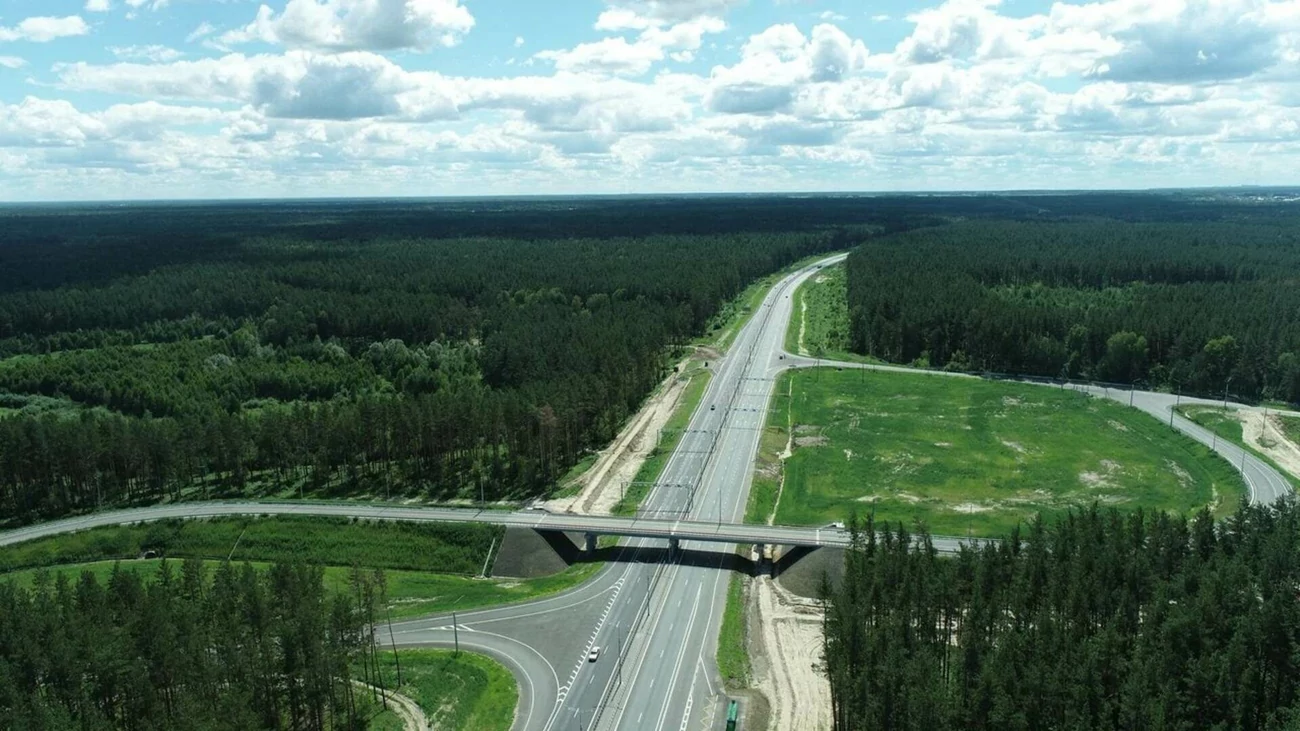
(219, 364)
(1201, 308)
(1103, 620)
(239, 649)
(471, 349)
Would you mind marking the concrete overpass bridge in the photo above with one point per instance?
(591, 526)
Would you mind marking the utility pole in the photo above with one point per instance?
(1225, 393)
(396, 660)
(455, 633)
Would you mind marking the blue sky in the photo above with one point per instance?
(140, 99)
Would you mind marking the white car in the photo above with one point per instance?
(595, 653)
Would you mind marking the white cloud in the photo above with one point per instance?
(203, 30)
(98, 6)
(974, 93)
(154, 53)
(12, 62)
(351, 25)
(776, 63)
(45, 29)
(150, 4)
(620, 57)
(670, 11)
(519, 41)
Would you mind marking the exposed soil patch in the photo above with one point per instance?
(1267, 437)
(1116, 425)
(816, 441)
(786, 649)
(413, 718)
(1184, 477)
(1017, 446)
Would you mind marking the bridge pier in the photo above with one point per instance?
(673, 546)
(589, 543)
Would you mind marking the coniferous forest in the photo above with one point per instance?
(233, 649)
(1198, 307)
(174, 354)
(1102, 620)
(478, 348)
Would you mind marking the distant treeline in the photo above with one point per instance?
(1101, 621)
(1198, 307)
(237, 650)
(445, 367)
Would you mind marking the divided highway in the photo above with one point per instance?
(656, 620)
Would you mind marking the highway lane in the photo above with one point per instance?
(672, 680)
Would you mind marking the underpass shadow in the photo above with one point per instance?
(569, 547)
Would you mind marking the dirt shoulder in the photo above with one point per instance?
(619, 463)
(413, 718)
(786, 654)
(1265, 435)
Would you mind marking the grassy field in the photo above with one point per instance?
(658, 459)
(464, 692)
(430, 567)
(733, 656)
(410, 593)
(821, 310)
(971, 456)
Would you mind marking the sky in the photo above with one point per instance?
(178, 99)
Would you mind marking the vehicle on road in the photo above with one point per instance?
(593, 655)
(713, 407)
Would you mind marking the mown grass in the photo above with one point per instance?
(825, 321)
(465, 691)
(963, 455)
(672, 434)
(733, 655)
(410, 593)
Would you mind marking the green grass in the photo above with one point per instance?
(464, 692)
(733, 657)
(825, 321)
(962, 454)
(672, 434)
(444, 548)
(568, 486)
(767, 473)
(410, 593)
(430, 567)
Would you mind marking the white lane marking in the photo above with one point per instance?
(677, 667)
